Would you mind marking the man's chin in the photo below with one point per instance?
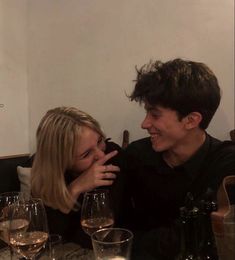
(158, 148)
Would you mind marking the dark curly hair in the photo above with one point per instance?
(180, 85)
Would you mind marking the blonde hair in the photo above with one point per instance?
(57, 136)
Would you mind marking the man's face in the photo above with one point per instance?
(167, 132)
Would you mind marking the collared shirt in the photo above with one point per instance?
(155, 191)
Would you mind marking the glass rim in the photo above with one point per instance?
(31, 201)
(112, 229)
(91, 192)
(10, 193)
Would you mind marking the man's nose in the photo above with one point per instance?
(146, 123)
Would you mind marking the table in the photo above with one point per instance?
(72, 251)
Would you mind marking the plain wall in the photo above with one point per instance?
(83, 53)
(14, 116)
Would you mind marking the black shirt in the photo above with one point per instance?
(68, 225)
(156, 191)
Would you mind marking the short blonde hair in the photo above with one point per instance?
(58, 135)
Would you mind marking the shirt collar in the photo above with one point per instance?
(192, 166)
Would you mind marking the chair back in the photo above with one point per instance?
(223, 220)
(125, 139)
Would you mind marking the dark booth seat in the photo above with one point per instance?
(9, 180)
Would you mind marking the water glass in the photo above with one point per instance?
(112, 244)
(54, 248)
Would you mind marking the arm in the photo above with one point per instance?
(97, 175)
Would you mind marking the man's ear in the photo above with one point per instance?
(193, 120)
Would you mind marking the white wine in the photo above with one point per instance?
(16, 226)
(29, 244)
(93, 224)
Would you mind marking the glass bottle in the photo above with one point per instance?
(189, 231)
(208, 246)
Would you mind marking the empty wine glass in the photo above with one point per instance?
(30, 238)
(96, 211)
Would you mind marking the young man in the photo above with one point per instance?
(180, 98)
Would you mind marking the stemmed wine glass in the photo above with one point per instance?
(29, 240)
(7, 199)
(96, 211)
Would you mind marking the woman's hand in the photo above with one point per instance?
(97, 175)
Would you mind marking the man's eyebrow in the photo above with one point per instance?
(150, 108)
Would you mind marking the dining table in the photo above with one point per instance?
(72, 251)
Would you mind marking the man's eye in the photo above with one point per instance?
(155, 115)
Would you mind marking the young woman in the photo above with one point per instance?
(72, 157)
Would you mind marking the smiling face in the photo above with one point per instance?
(167, 131)
(91, 147)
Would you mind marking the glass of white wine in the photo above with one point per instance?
(96, 211)
(30, 240)
(6, 200)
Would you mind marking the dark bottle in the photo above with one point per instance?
(208, 245)
(189, 231)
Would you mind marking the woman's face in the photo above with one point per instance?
(91, 147)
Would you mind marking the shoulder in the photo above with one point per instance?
(140, 144)
(141, 153)
(221, 158)
(111, 146)
(140, 148)
(221, 148)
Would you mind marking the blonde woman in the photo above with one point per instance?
(72, 157)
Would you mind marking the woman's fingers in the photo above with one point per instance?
(99, 174)
(108, 175)
(108, 156)
(110, 168)
(105, 182)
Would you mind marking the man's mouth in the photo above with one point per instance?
(154, 136)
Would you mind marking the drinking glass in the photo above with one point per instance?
(54, 248)
(96, 211)
(7, 199)
(30, 237)
(112, 243)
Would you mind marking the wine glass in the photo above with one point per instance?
(96, 211)
(29, 239)
(7, 199)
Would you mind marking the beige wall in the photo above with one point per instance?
(14, 117)
(83, 53)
